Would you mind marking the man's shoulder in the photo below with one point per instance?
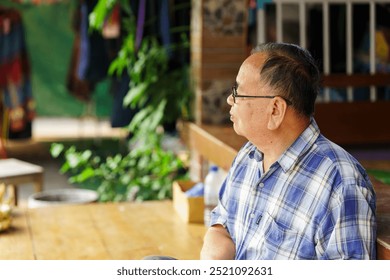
(335, 153)
(341, 163)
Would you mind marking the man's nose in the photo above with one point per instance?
(229, 100)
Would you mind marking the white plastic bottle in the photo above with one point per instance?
(212, 185)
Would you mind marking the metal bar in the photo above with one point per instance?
(261, 25)
(373, 95)
(279, 21)
(302, 24)
(326, 44)
(302, 4)
(349, 47)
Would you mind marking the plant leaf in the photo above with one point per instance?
(56, 149)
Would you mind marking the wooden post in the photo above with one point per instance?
(218, 47)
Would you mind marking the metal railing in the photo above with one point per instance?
(297, 10)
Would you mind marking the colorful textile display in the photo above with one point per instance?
(15, 85)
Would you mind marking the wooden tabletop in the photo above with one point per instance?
(128, 231)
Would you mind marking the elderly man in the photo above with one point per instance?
(290, 193)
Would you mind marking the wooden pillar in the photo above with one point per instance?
(218, 47)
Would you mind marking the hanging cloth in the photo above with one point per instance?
(15, 85)
(90, 56)
(140, 24)
(164, 26)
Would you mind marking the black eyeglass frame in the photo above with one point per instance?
(234, 95)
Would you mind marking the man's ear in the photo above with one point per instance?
(277, 109)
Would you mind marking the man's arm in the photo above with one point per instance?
(218, 245)
(352, 222)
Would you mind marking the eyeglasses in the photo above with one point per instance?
(235, 95)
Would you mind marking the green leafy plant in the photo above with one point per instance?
(146, 173)
(381, 175)
(160, 95)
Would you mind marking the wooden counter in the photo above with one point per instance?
(220, 144)
(128, 231)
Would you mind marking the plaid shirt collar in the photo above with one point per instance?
(301, 145)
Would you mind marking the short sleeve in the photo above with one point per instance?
(348, 231)
(219, 214)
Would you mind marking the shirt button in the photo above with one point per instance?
(252, 215)
(261, 185)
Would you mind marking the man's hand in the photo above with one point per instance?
(218, 245)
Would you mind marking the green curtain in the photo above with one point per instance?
(49, 40)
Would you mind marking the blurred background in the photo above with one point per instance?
(104, 76)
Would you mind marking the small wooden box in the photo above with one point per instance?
(190, 209)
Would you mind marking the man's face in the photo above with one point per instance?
(249, 115)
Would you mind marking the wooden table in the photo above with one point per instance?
(14, 172)
(128, 231)
(220, 144)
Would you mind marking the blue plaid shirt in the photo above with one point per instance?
(315, 202)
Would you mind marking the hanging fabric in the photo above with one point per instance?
(152, 19)
(90, 57)
(140, 24)
(112, 27)
(15, 86)
(120, 115)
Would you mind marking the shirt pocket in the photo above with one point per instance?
(275, 241)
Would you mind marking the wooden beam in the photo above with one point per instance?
(355, 123)
(218, 144)
(356, 80)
